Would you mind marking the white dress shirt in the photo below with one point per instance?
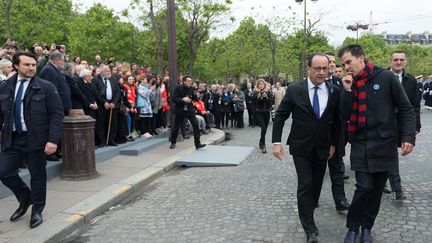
(399, 75)
(108, 89)
(26, 84)
(323, 95)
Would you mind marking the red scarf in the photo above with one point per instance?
(358, 114)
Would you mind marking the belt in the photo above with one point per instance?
(23, 133)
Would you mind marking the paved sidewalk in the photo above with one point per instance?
(70, 204)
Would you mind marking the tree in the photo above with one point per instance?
(202, 16)
(98, 31)
(30, 21)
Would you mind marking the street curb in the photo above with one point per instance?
(59, 226)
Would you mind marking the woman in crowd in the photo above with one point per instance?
(226, 107)
(219, 108)
(264, 101)
(124, 106)
(155, 100)
(131, 113)
(239, 106)
(145, 109)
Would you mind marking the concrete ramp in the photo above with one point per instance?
(212, 155)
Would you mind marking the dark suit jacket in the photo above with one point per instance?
(52, 74)
(409, 83)
(340, 148)
(374, 149)
(100, 85)
(43, 113)
(308, 134)
(180, 92)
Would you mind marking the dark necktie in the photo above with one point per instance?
(18, 100)
(315, 103)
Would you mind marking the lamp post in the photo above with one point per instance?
(172, 55)
(356, 28)
(303, 59)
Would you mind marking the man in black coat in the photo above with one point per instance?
(52, 72)
(183, 109)
(314, 104)
(31, 116)
(109, 91)
(336, 164)
(409, 83)
(370, 98)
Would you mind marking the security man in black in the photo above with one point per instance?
(184, 109)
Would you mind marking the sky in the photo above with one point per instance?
(391, 16)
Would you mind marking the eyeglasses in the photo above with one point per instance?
(319, 69)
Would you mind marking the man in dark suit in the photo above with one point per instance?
(109, 91)
(183, 109)
(336, 164)
(369, 100)
(314, 104)
(31, 117)
(52, 72)
(409, 83)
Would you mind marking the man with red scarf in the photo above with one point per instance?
(371, 99)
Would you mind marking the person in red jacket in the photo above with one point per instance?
(131, 113)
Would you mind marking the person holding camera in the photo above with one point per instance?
(264, 100)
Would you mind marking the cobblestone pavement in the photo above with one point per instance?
(256, 202)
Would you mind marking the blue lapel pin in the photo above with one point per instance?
(376, 87)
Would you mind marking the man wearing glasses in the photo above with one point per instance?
(314, 104)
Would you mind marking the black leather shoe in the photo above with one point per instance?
(386, 190)
(400, 195)
(342, 206)
(366, 236)
(22, 209)
(264, 149)
(36, 220)
(172, 146)
(311, 238)
(198, 146)
(112, 144)
(52, 158)
(351, 236)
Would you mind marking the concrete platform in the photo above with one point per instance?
(101, 154)
(215, 156)
(142, 147)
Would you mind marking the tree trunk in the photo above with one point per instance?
(8, 8)
(159, 39)
(191, 62)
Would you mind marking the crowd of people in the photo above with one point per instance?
(328, 109)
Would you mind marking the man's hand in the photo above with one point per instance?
(406, 148)
(112, 105)
(186, 99)
(106, 105)
(50, 148)
(331, 152)
(347, 82)
(278, 151)
(93, 106)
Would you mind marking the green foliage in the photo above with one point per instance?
(36, 20)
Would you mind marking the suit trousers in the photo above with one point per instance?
(262, 119)
(102, 122)
(366, 200)
(178, 121)
(310, 175)
(251, 114)
(336, 171)
(10, 161)
(395, 180)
